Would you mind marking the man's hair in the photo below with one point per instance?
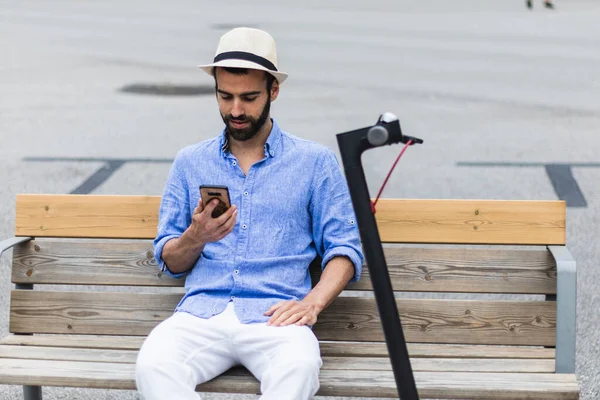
(244, 71)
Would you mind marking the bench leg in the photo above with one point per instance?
(32, 392)
(566, 309)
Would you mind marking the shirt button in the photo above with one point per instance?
(232, 297)
(245, 193)
(272, 153)
(215, 310)
(236, 272)
(234, 163)
(244, 226)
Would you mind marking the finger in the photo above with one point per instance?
(283, 308)
(226, 216)
(230, 223)
(309, 319)
(223, 232)
(284, 317)
(274, 307)
(295, 317)
(211, 206)
(281, 315)
(199, 208)
(227, 227)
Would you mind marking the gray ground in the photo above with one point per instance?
(480, 81)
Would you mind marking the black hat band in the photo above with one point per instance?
(242, 55)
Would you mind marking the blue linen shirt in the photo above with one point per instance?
(292, 205)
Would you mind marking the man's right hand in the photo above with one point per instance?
(205, 229)
(180, 254)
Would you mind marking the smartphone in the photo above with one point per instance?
(221, 193)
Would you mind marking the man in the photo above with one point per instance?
(547, 4)
(248, 294)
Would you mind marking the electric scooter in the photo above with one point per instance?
(352, 144)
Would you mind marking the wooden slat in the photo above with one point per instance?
(339, 363)
(95, 262)
(466, 270)
(79, 341)
(72, 354)
(67, 373)
(438, 385)
(399, 220)
(87, 216)
(347, 318)
(355, 383)
(334, 349)
(445, 321)
(131, 263)
(104, 313)
(442, 364)
(430, 350)
(472, 221)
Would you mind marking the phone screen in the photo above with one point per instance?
(221, 193)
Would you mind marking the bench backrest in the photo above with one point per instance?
(100, 241)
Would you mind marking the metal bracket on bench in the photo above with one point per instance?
(32, 392)
(566, 309)
(8, 243)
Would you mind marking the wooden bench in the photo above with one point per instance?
(495, 344)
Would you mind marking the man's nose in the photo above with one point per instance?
(237, 109)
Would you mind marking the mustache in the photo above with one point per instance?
(237, 119)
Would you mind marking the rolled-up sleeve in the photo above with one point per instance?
(174, 213)
(335, 231)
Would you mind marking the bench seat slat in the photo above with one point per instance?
(446, 385)
(131, 263)
(68, 354)
(438, 385)
(76, 341)
(339, 363)
(347, 318)
(425, 350)
(347, 349)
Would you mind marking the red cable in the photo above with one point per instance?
(388, 175)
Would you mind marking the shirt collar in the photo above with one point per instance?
(271, 146)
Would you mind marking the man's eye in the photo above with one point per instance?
(225, 97)
(249, 99)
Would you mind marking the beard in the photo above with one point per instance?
(254, 124)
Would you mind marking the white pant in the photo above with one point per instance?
(185, 350)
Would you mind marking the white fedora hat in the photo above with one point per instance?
(247, 48)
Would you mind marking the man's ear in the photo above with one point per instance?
(274, 90)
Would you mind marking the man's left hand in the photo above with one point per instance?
(293, 312)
